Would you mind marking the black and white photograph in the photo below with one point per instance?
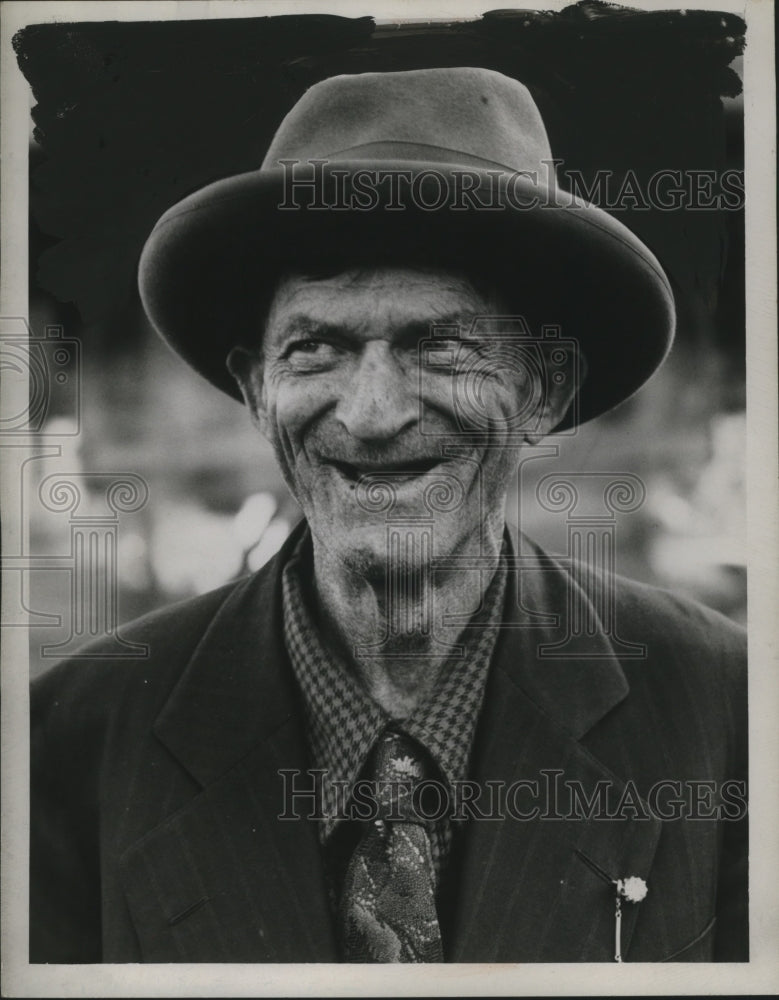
(390, 527)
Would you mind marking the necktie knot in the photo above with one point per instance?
(399, 771)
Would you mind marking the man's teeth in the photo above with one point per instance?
(403, 470)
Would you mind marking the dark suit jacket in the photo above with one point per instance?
(154, 830)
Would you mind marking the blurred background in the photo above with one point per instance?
(131, 117)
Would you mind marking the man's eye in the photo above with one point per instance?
(305, 346)
(310, 350)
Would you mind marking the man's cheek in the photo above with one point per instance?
(299, 401)
(291, 411)
(294, 416)
(439, 411)
(477, 402)
(281, 432)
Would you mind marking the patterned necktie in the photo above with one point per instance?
(388, 911)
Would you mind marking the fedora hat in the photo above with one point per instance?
(444, 168)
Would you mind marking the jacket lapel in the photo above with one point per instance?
(223, 879)
(536, 889)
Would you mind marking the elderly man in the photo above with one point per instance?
(376, 749)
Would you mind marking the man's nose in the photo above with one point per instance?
(381, 400)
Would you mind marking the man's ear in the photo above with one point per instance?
(558, 392)
(247, 369)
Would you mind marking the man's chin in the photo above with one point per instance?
(374, 552)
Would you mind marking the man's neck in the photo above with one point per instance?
(391, 633)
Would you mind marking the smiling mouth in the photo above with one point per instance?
(409, 469)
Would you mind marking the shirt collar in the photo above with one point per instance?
(343, 722)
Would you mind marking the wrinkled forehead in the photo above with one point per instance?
(392, 295)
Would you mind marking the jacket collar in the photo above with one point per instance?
(574, 679)
(209, 727)
(238, 688)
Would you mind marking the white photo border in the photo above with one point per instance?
(761, 974)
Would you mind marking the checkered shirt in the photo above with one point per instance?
(343, 723)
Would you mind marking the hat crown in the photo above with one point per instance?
(462, 115)
(220, 250)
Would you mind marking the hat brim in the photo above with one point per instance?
(211, 261)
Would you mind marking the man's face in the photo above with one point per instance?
(348, 403)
